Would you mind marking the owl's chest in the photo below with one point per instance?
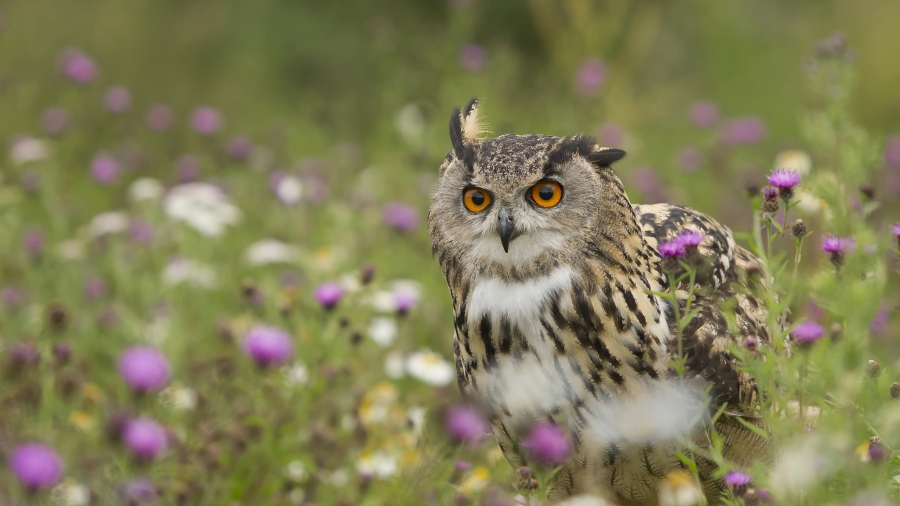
(548, 343)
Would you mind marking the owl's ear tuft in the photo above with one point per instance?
(466, 128)
(605, 157)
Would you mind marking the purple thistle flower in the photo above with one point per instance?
(145, 438)
(139, 491)
(12, 297)
(54, 120)
(206, 120)
(689, 238)
(24, 354)
(404, 301)
(268, 345)
(647, 181)
(117, 99)
(590, 77)
(78, 66)
(689, 159)
(329, 294)
(770, 193)
(466, 424)
(785, 180)
(744, 131)
(140, 231)
(400, 216)
(462, 466)
(36, 465)
(672, 249)
(737, 479)
(104, 169)
(896, 229)
(547, 443)
(34, 242)
(611, 134)
(472, 58)
(892, 151)
(240, 147)
(188, 168)
(838, 245)
(879, 324)
(751, 343)
(807, 332)
(160, 117)
(144, 368)
(704, 114)
(94, 288)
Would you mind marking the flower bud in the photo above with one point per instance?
(799, 229)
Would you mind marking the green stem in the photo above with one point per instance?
(679, 362)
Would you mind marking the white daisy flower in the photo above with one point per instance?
(145, 188)
(28, 149)
(296, 471)
(202, 206)
(179, 397)
(350, 282)
(379, 464)
(295, 376)
(70, 249)
(182, 270)
(111, 222)
(430, 367)
(270, 251)
(71, 493)
(794, 159)
(296, 496)
(383, 331)
(289, 190)
(394, 365)
(383, 301)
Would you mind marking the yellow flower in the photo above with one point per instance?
(475, 480)
(92, 392)
(82, 420)
(680, 488)
(376, 404)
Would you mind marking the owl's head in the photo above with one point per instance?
(509, 200)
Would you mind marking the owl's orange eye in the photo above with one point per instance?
(546, 193)
(476, 199)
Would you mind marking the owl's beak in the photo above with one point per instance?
(506, 229)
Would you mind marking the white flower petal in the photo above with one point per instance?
(145, 188)
(270, 251)
(111, 222)
(430, 367)
(28, 149)
(383, 331)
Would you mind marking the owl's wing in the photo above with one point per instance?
(726, 284)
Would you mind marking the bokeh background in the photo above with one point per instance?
(319, 127)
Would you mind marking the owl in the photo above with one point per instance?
(557, 284)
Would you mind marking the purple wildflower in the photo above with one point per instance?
(807, 332)
(140, 231)
(329, 294)
(647, 181)
(751, 343)
(689, 238)
(838, 245)
(34, 242)
(268, 345)
(743, 131)
(401, 216)
(139, 491)
(145, 438)
(590, 77)
(117, 100)
(104, 169)
(896, 229)
(547, 443)
(160, 117)
(770, 193)
(737, 479)
(785, 180)
(94, 288)
(188, 168)
(54, 120)
(672, 249)
(78, 66)
(240, 147)
(144, 368)
(36, 465)
(12, 297)
(466, 424)
(689, 159)
(704, 114)
(24, 355)
(611, 134)
(472, 58)
(879, 324)
(892, 151)
(462, 465)
(206, 120)
(404, 301)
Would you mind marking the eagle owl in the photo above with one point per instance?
(555, 281)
